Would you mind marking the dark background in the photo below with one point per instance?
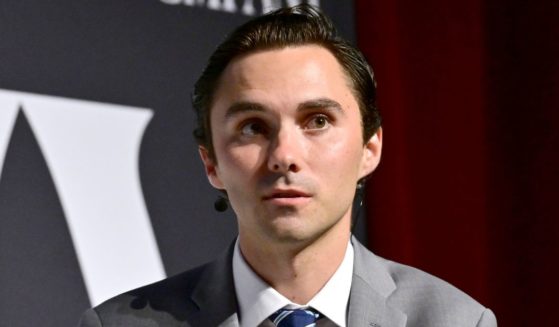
(466, 189)
(137, 53)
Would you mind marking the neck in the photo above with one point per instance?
(298, 270)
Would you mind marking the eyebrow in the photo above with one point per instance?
(321, 103)
(247, 106)
(242, 107)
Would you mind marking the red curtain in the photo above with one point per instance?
(468, 185)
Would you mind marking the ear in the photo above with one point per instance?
(211, 168)
(371, 154)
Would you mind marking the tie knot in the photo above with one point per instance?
(295, 317)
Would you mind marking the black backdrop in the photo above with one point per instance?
(66, 70)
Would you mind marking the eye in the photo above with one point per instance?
(252, 128)
(318, 122)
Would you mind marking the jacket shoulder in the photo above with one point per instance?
(163, 303)
(430, 301)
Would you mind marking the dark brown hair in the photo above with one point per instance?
(294, 26)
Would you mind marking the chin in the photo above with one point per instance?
(287, 232)
(295, 233)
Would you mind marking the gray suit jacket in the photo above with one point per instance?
(383, 294)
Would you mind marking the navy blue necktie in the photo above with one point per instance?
(295, 318)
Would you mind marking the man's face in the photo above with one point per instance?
(287, 135)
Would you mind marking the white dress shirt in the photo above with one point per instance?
(258, 300)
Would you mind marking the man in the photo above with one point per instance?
(288, 130)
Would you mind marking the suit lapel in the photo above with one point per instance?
(370, 288)
(215, 294)
(216, 300)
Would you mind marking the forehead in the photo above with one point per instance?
(283, 75)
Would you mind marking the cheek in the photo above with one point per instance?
(238, 162)
(339, 155)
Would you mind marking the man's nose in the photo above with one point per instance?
(285, 152)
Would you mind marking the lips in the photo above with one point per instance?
(287, 198)
(285, 194)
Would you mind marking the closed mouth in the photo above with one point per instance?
(286, 194)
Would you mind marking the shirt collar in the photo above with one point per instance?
(258, 300)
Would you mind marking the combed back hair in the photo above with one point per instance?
(286, 27)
